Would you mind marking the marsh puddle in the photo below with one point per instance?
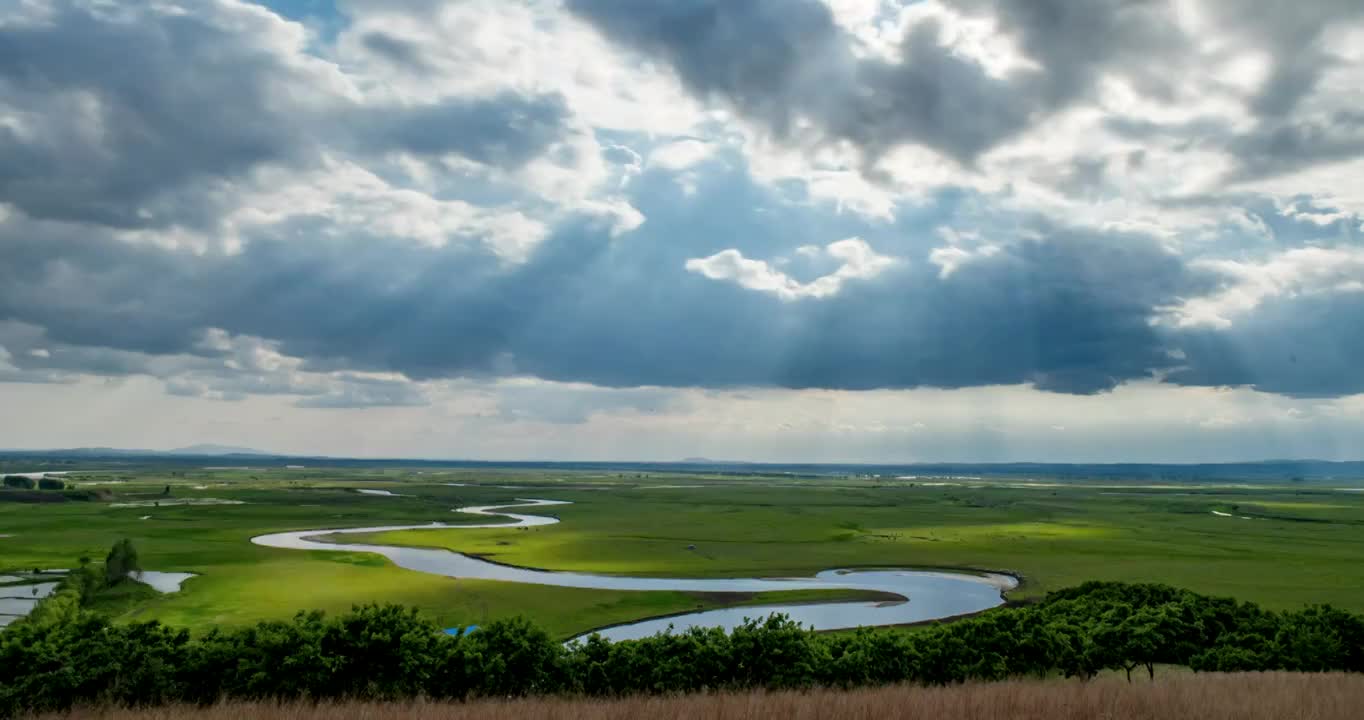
(163, 582)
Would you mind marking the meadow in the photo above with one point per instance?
(1280, 545)
(1267, 696)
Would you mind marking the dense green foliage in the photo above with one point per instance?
(50, 483)
(19, 481)
(121, 562)
(61, 659)
(73, 593)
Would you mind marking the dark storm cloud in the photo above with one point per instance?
(184, 108)
(133, 118)
(1273, 147)
(1067, 310)
(119, 115)
(775, 60)
(1307, 346)
(1073, 42)
(395, 49)
(1283, 138)
(1290, 34)
(1279, 147)
(504, 131)
(1069, 313)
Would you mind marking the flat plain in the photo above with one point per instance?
(1281, 545)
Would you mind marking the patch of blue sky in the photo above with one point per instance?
(324, 17)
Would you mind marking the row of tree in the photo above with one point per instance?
(24, 482)
(389, 652)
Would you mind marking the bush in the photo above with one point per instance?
(62, 655)
(65, 603)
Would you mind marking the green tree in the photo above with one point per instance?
(382, 652)
(19, 482)
(516, 657)
(1321, 638)
(121, 562)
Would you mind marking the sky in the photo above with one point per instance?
(774, 230)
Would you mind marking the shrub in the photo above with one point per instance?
(62, 655)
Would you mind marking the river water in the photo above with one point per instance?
(931, 595)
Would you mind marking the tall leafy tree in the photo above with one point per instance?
(121, 562)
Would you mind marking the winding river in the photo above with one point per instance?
(931, 595)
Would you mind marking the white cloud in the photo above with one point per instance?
(858, 262)
(682, 157)
(478, 47)
(1159, 136)
(681, 154)
(950, 258)
(346, 198)
(1301, 271)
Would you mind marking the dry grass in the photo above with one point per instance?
(1270, 696)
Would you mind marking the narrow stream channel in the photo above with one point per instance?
(933, 595)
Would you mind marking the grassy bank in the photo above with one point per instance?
(1299, 547)
(237, 595)
(1269, 696)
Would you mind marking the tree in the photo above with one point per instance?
(19, 481)
(50, 483)
(516, 657)
(121, 562)
(1321, 638)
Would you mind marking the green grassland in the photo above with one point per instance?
(1300, 544)
(241, 583)
(1299, 547)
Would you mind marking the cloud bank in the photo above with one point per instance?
(352, 208)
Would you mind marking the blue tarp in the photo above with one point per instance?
(460, 631)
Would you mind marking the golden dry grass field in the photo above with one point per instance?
(1247, 696)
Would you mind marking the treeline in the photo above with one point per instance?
(24, 482)
(391, 652)
(20, 482)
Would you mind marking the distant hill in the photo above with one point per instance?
(215, 450)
